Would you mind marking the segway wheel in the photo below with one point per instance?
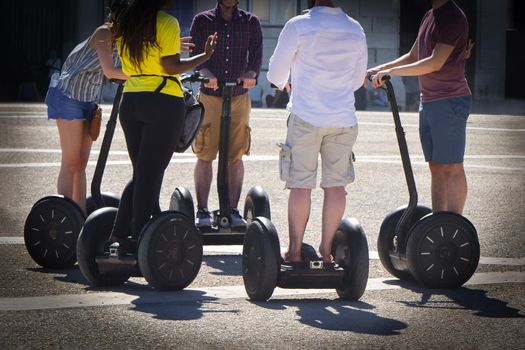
(260, 259)
(51, 231)
(385, 240)
(443, 250)
(350, 250)
(256, 204)
(90, 244)
(110, 200)
(170, 251)
(182, 201)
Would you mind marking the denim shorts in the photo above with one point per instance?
(442, 129)
(60, 106)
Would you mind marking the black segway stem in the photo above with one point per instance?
(104, 149)
(403, 225)
(223, 186)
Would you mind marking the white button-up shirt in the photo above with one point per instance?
(326, 54)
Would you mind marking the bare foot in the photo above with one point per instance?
(288, 257)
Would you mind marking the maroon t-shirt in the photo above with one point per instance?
(445, 25)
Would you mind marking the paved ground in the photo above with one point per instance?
(56, 309)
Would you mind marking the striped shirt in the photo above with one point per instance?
(81, 77)
(239, 45)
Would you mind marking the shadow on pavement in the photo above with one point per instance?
(339, 315)
(162, 305)
(464, 298)
(227, 265)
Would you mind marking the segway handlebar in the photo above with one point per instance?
(117, 81)
(224, 83)
(385, 78)
(195, 77)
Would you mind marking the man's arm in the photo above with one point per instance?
(360, 67)
(255, 51)
(408, 58)
(283, 57)
(431, 64)
(199, 35)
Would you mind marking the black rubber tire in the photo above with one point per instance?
(51, 231)
(260, 259)
(170, 251)
(443, 250)
(256, 204)
(350, 250)
(386, 237)
(90, 244)
(110, 200)
(182, 201)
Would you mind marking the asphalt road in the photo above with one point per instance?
(42, 308)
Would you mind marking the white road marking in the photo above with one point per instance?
(211, 293)
(237, 250)
(405, 125)
(191, 155)
(189, 159)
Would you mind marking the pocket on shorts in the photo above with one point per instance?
(248, 140)
(461, 107)
(285, 161)
(199, 142)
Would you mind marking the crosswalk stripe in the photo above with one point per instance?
(207, 294)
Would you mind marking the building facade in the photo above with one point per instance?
(32, 28)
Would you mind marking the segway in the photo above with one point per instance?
(256, 204)
(438, 249)
(263, 269)
(54, 222)
(169, 251)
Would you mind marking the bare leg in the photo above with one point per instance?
(333, 209)
(299, 204)
(79, 183)
(72, 177)
(236, 180)
(449, 187)
(203, 176)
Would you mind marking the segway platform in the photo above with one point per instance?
(263, 268)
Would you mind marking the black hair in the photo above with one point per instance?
(137, 28)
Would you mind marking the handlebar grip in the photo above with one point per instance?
(117, 81)
(385, 78)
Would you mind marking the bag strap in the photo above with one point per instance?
(165, 79)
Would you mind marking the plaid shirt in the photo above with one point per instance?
(239, 45)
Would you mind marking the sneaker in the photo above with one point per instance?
(203, 218)
(237, 220)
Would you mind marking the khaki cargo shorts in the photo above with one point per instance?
(206, 143)
(299, 155)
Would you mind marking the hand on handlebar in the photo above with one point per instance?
(248, 80)
(212, 83)
(378, 78)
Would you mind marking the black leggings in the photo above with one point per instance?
(152, 124)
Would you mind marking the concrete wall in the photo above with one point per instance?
(490, 50)
(380, 20)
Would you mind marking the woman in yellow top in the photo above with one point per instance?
(152, 108)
